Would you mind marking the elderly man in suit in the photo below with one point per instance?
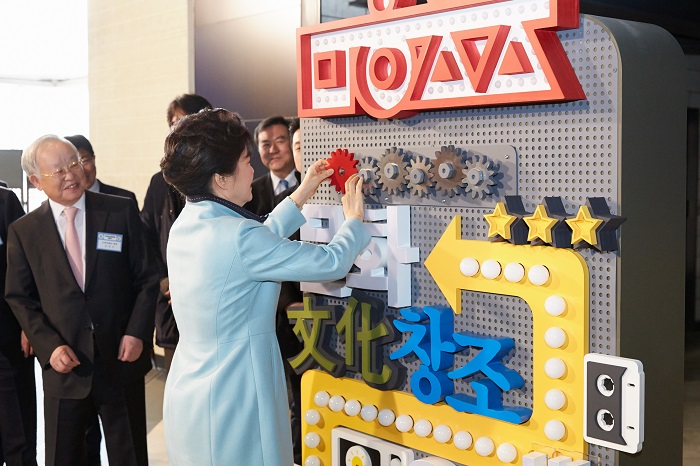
(83, 290)
(87, 159)
(17, 387)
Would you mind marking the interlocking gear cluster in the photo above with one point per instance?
(453, 172)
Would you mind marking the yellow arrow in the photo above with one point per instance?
(566, 271)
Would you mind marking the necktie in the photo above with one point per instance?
(282, 186)
(73, 251)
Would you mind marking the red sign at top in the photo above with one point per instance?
(404, 58)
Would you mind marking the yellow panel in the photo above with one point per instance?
(568, 279)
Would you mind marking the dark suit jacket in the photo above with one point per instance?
(10, 210)
(119, 297)
(161, 208)
(263, 202)
(114, 191)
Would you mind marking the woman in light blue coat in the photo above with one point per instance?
(226, 397)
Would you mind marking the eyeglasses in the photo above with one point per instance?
(74, 167)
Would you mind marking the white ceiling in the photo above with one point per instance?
(43, 40)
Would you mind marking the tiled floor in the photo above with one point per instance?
(155, 384)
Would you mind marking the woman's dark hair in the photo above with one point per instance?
(201, 145)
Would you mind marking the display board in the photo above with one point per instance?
(493, 318)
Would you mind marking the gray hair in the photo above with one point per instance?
(30, 153)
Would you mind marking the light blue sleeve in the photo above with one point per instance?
(266, 256)
(285, 219)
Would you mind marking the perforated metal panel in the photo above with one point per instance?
(568, 150)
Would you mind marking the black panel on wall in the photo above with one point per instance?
(10, 168)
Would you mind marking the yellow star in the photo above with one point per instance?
(584, 227)
(540, 225)
(499, 221)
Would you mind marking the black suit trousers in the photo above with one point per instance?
(17, 409)
(66, 421)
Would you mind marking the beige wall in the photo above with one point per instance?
(140, 58)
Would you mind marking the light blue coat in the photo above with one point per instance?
(226, 397)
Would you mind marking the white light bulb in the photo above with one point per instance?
(312, 460)
(469, 266)
(554, 430)
(490, 269)
(386, 417)
(321, 399)
(442, 433)
(506, 452)
(538, 275)
(312, 417)
(312, 440)
(463, 440)
(336, 403)
(484, 446)
(554, 368)
(352, 407)
(555, 305)
(423, 428)
(404, 423)
(555, 337)
(368, 413)
(514, 272)
(554, 399)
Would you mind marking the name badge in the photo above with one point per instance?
(109, 242)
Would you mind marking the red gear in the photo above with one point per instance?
(344, 165)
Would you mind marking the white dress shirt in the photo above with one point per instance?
(291, 179)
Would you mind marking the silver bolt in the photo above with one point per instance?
(391, 170)
(475, 176)
(366, 175)
(446, 170)
(417, 176)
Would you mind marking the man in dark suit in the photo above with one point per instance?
(83, 290)
(275, 148)
(93, 436)
(17, 387)
(274, 145)
(87, 158)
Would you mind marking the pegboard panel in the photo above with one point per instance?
(568, 150)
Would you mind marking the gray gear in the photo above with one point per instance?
(393, 169)
(420, 178)
(447, 168)
(369, 172)
(479, 176)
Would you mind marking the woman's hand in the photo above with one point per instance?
(354, 199)
(316, 173)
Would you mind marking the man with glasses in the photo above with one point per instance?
(87, 158)
(93, 437)
(83, 290)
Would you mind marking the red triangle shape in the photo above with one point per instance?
(515, 60)
(446, 68)
(480, 66)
